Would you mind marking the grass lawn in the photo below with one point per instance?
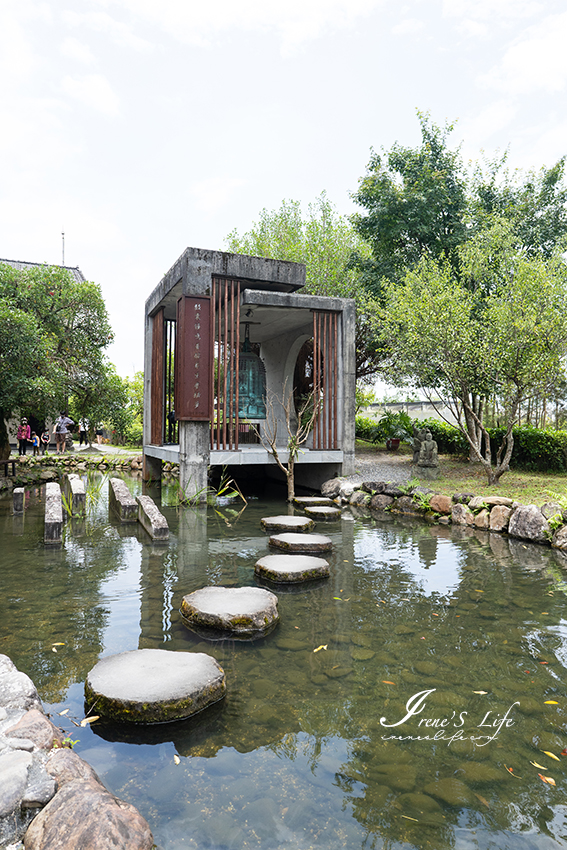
(460, 476)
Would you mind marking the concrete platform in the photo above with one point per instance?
(292, 568)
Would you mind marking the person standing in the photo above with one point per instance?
(23, 436)
(45, 441)
(83, 428)
(35, 444)
(61, 430)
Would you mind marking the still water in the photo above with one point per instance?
(467, 629)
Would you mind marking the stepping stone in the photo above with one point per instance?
(237, 610)
(151, 518)
(292, 568)
(305, 501)
(153, 685)
(121, 501)
(324, 512)
(290, 542)
(287, 523)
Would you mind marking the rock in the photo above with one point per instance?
(462, 498)
(461, 514)
(373, 487)
(559, 540)
(308, 501)
(441, 504)
(380, 502)
(35, 726)
(14, 767)
(492, 501)
(347, 490)
(153, 685)
(292, 568)
(241, 610)
(451, 791)
(331, 489)
(151, 518)
(84, 814)
(392, 489)
(287, 523)
(529, 523)
(551, 509)
(500, 517)
(482, 519)
(405, 505)
(360, 499)
(64, 765)
(323, 513)
(477, 502)
(476, 773)
(290, 542)
(17, 691)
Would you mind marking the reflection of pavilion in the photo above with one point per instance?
(224, 333)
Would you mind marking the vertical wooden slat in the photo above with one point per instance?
(219, 364)
(212, 338)
(335, 381)
(237, 363)
(158, 375)
(225, 362)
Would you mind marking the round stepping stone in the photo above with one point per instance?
(292, 568)
(290, 542)
(323, 512)
(305, 501)
(238, 610)
(153, 685)
(287, 523)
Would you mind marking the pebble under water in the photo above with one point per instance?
(465, 629)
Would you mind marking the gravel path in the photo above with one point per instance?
(382, 466)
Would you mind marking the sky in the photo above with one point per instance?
(141, 128)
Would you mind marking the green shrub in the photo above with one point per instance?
(449, 440)
(535, 449)
(365, 428)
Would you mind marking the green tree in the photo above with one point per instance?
(325, 242)
(463, 344)
(53, 330)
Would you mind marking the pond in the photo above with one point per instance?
(454, 641)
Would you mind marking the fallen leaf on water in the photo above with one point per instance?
(551, 702)
(323, 646)
(386, 682)
(54, 649)
(511, 772)
(336, 667)
(75, 722)
(338, 597)
(563, 752)
(551, 755)
(65, 711)
(407, 817)
(434, 614)
(296, 627)
(402, 599)
(422, 638)
(92, 719)
(547, 779)
(176, 759)
(58, 643)
(545, 612)
(535, 764)
(544, 662)
(482, 800)
(477, 590)
(480, 692)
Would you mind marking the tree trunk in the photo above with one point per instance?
(4, 441)
(290, 478)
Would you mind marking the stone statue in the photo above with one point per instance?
(428, 463)
(417, 440)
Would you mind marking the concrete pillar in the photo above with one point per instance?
(152, 468)
(53, 529)
(18, 500)
(194, 455)
(348, 360)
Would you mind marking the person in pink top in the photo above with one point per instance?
(24, 436)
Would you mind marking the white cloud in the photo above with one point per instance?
(72, 48)
(214, 193)
(296, 21)
(93, 90)
(410, 26)
(536, 62)
(120, 33)
(491, 10)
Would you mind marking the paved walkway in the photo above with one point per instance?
(381, 466)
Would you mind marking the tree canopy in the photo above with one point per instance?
(53, 332)
(325, 241)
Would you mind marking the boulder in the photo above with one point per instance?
(331, 489)
(153, 685)
(34, 726)
(393, 489)
(373, 487)
(462, 498)
(239, 610)
(559, 540)
(292, 568)
(529, 523)
(360, 499)
(476, 503)
(492, 501)
(461, 514)
(500, 517)
(551, 509)
(287, 523)
(441, 504)
(406, 505)
(482, 519)
(380, 502)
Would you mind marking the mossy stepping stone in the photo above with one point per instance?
(287, 523)
(236, 610)
(310, 543)
(292, 568)
(309, 501)
(323, 512)
(153, 685)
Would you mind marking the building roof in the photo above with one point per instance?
(22, 265)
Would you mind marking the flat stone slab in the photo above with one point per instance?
(75, 493)
(238, 610)
(287, 523)
(304, 501)
(53, 528)
(310, 543)
(292, 568)
(18, 500)
(322, 512)
(153, 685)
(121, 501)
(151, 518)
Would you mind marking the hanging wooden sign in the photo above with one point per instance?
(193, 359)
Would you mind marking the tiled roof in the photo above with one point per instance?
(20, 264)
